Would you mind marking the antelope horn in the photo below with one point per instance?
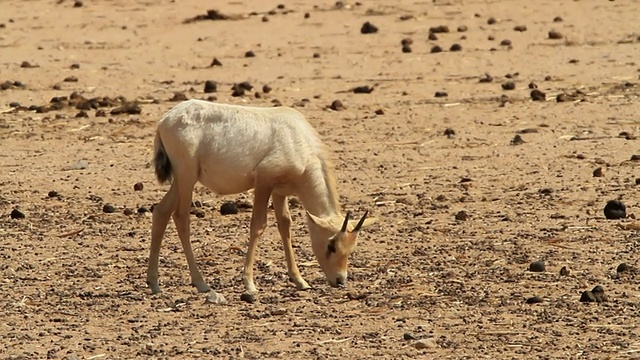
(346, 221)
(359, 226)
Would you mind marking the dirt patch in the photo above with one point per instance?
(479, 159)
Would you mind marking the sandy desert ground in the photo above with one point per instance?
(470, 187)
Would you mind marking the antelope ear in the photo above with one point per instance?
(323, 223)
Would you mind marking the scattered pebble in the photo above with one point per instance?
(440, 29)
(486, 78)
(364, 89)
(210, 86)
(52, 194)
(517, 140)
(409, 336)
(368, 28)
(440, 94)
(537, 95)
(17, 214)
(449, 132)
(406, 41)
(108, 208)
(131, 108)
(555, 35)
(436, 49)
(508, 85)
(462, 28)
(142, 210)
(336, 105)
(406, 49)
(491, 21)
(429, 343)
(127, 212)
(587, 296)
(537, 266)
(433, 37)
(562, 97)
(557, 19)
(215, 62)
(228, 208)
(615, 209)
(598, 172)
(455, 47)
(623, 267)
(564, 271)
(249, 54)
(379, 112)
(505, 42)
(215, 298)
(520, 28)
(71, 79)
(78, 3)
(462, 216)
(534, 300)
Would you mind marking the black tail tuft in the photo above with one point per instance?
(162, 164)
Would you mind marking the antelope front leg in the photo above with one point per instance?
(283, 217)
(258, 224)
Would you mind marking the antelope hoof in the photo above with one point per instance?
(202, 287)
(155, 288)
(301, 284)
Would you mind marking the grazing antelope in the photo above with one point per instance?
(231, 149)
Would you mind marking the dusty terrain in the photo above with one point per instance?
(461, 216)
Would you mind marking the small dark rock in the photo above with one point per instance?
(128, 212)
(52, 194)
(248, 298)
(557, 19)
(598, 172)
(637, 181)
(462, 28)
(266, 89)
(316, 55)
(138, 186)
(555, 35)
(77, 3)
(406, 41)
(440, 94)
(433, 37)
(210, 86)
(27, 65)
(436, 49)
(179, 96)
(409, 336)
(307, 15)
(249, 54)
(534, 300)
(336, 105)
(624, 267)
(486, 78)
(537, 95)
(533, 85)
(520, 28)
(562, 97)
(229, 208)
(440, 29)
(14, 104)
(379, 112)
(455, 47)
(462, 216)
(491, 21)
(108, 208)
(508, 85)
(238, 90)
(449, 132)
(71, 79)
(17, 214)
(131, 108)
(505, 42)
(82, 114)
(635, 157)
(215, 62)
(564, 271)
(537, 266)
(74, 66)
(406, 49)
(368, 28)
(587, 296)
(517, 140)
(615, 209)
(365, 89)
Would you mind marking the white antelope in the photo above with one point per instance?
(231, 149)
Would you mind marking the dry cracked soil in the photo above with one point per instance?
(484, 136)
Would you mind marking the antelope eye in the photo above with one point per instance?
(331, 248)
